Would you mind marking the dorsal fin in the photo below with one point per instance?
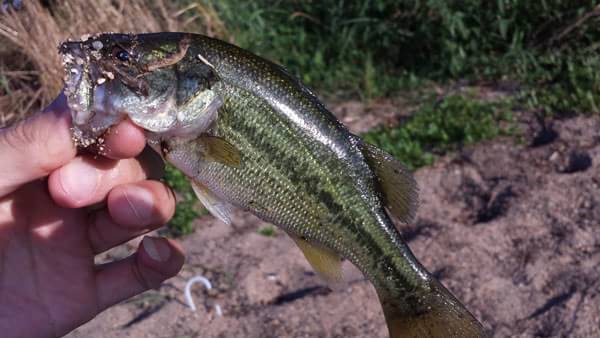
(396, 182)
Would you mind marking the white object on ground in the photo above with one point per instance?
(188, 293)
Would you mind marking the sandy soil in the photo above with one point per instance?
(512, 229)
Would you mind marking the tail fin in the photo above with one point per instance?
(444, 316)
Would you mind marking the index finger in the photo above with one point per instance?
(125, 140)
(33, 148)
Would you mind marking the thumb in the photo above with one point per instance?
(33, 148)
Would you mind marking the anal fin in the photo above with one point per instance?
(216, 206)
(325, 262)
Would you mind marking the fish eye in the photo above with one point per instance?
(121, 54)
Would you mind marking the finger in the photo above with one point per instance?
(87, 180)
(133, 209)
(125, 140)
(156, 260)
(141, 204)
(33, 148)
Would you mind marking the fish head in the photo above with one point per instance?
(111, 76)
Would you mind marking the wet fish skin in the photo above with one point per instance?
(298, 167)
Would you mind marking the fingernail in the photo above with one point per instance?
(79, 181)
(156, 248)
(139, 205)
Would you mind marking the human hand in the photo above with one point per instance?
(49, 235)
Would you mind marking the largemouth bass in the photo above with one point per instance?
(250, 135)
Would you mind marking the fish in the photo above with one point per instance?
(249, 135)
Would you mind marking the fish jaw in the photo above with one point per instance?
(91, 110)
(102, 90)
(99, 98)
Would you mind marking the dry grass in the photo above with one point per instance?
(30, 68)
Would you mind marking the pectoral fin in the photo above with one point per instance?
(399, 188)
(216, 149)
(324, 261)
(216, 206)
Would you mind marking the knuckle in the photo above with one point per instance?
(19, 136)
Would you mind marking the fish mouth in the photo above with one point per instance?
(78, 82)
(87, 94)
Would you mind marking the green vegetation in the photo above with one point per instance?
(187, 205)
(375, 48)
(267, 231)
(561, 85)
(441, 126)
(338, 47)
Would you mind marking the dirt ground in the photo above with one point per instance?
(512, 228)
